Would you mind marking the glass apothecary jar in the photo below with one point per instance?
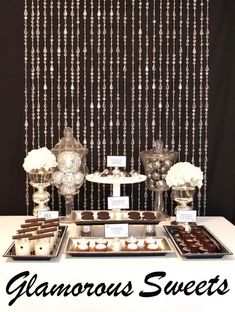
(157, 162)
(70, 172)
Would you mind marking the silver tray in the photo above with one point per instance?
(11, 250)
(222, 250)
(164, 248)
(115, 217)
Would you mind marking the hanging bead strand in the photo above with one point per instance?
(45, 68)
(194, 77)
(206, 107)
(65, 64)
(187, 82)
(118, 77)
(72, 88)
(99, 96)
(201, 97)
(132, 97)
(78, 70)
(180, 87)
(154, 74)
(173, 78)
(139, 90)
(173, 91)
(92, 100)
(38, 71)
(160, 73)
(52, 91)
(26, 123)
(59, 68)
(52, 71)
(33, 72)
(59, 81)
(85, 91)
(146, 72)
(146, 87)
(167, 70)
(154, 83)
(111, 80)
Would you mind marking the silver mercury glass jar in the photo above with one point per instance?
(70, 172)
(157, 162)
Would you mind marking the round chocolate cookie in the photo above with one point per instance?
(149, 215)
(134, 215)
(87, 215)
(103, 215)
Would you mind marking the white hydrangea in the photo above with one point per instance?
(184, 173)
(41, 158)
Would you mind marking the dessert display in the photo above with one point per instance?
(115, 216)
(93, 246)
(196, 241)
(116, 177)
(37, 239)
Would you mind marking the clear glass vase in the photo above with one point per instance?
(183, 195)
(40, 179)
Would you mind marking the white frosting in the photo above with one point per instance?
(132, 246)
(83, 246)
(150, 240)
(100, 246)
(152, 246)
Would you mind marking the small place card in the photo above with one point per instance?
(186, 216)
(48, 214)
(118, 202)
(116, 161)
(116, 230)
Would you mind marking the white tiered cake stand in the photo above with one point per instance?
(116, 181)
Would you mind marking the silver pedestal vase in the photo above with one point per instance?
(40, 180)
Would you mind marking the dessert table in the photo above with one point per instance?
(157, 283)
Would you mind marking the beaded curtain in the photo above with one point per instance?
(121, 73)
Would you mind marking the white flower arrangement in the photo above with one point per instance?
(41, 158)
(184, 174)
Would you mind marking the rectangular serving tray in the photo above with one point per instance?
(116, 217)
(223, 250)
(10, 253)
(165, 248)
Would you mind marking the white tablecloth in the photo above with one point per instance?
(68, 270)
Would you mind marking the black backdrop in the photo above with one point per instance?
(221, 167)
